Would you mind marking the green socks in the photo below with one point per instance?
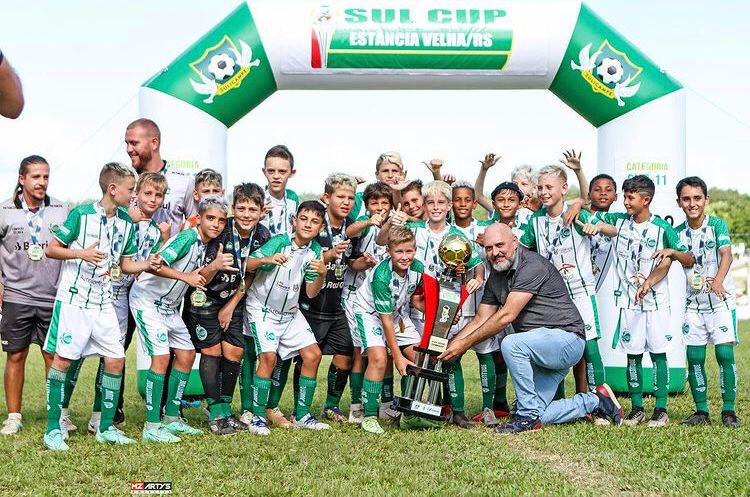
(661, 379)
(696, 358)
(387, 394)
(727, 375)
(154, 390)
(55, 393)
(487, 379)
(355, 385)
(455, 385)
(111, 384)
(71, 378)
(177, 382)
(594, 364)
(306, 394)
(336, 385)
(370, 393)
(98, 387)
(278, 382)
(635, 380)
(247, 372)
(261, 388)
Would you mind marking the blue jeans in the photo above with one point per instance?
(538, 360)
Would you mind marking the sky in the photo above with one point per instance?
(82, 62)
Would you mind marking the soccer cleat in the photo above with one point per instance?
(246, 418)
(608, 405)
(697, 418)
(487, 417)
(54, 441)
(93, 426)
(502, 410)
(310, 422)
(730, 419)
(182, 428)
(235, 423)
(371, 425)
(659, 418)
(333, 414)
(634, 417)
(276, 417)
(160, 435)
(11, 426)
(258, 426)
(459, 419)
(113, 436)
(600, 419)
(356, 414)
(519, 424)
(66, 424)
(220, 427)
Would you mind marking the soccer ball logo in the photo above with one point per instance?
(454, 250)
(221, 66)
(610, 71)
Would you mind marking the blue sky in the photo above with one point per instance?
(82, 63)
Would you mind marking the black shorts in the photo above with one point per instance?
(23, 325)
(333, 336)
(203, 325)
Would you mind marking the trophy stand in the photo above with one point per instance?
(443, 297)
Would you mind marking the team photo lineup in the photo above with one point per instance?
(262, 284)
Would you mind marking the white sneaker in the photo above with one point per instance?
(93, 426)
(12, 425)
(66, 424)
(356, 414)
(246, 418)
(259, 427)
(310, 422)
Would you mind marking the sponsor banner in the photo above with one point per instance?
(226, 73)
(603, 76)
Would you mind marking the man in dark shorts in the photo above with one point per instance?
(28, 279)
(525, 290)
(215, 325)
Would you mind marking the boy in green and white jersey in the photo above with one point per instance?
(281, 202)
(283, 265)
(96, 243)
(378, 306)
(602, 194)
(710, 315)
(150, 190)
(568, 249)
(644, 247)
(155, 300)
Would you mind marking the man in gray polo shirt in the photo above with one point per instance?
(525, 290)
(28, 279)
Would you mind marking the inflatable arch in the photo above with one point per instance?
(563, 46)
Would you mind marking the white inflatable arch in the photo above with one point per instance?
(561, 45)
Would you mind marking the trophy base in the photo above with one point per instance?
(411, 407)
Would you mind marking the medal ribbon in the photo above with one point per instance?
(553, 243)
(238, 250)
(34, 220)
(274, 226)
(113, 240)
(635, 255)
(701, 245)
(146, 244)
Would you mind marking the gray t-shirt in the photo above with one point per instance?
(549, 307)
(179, 203)
(28, 282)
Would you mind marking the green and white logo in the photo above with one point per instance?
(668, 337)
(609, 71)
(685, 328)
(650, 242)
(270, 336)
(587, 327)
(565, 233)
(626, 337)
(723, 329)
(67, 338)
(162, 337)
(710, 244)
(201, 332)
(377, 331)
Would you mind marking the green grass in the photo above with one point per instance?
(575, 459)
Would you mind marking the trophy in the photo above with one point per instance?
(443, 297)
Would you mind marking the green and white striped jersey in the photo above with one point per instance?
(385, 292)
(476, 228)
(632, 249)
(275, 289)
(84, 284)
(148, 241)
(279, 219)
(365, 245)
(566, 247)
(428, 243)
(705, 243)
(359, 206)
(183, 252)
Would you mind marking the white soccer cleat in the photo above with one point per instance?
(310, 422)
(11, 426)
(356, 414)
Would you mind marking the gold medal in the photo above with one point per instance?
(35, 252)
(242, 286)
(198, 298)
(697, 281)
(115, 272)
(338, 270)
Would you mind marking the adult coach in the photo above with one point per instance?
(143, 140)
(11, 93)
(28, 276)
(525, 290)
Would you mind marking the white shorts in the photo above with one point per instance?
(639, 332)
(710, 327)
(367, 331)
(484, 347)
(589, 311)
(122, 309)
(158, 331)
(286, 338)
(75, 332)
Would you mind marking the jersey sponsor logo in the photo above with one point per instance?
(411, 288)
(565, 233)
(201, 332)
(710, 244)
(650, 242)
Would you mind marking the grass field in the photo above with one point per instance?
(575, 459)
